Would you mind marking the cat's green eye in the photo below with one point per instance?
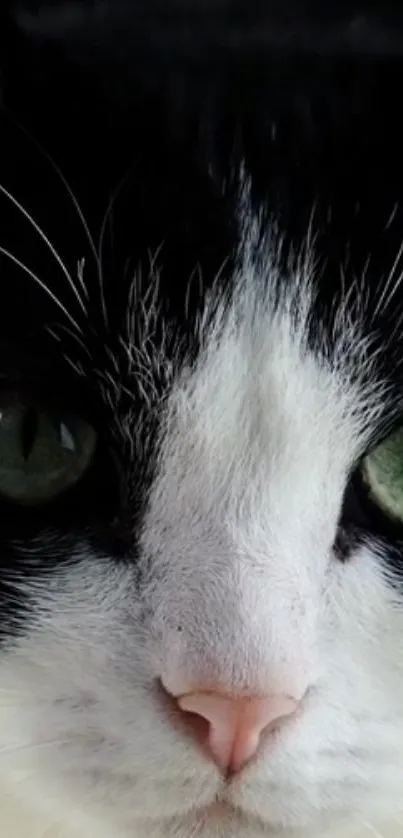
(382, 471)
(41, 455)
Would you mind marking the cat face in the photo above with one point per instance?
(199, 454)
(234, 577)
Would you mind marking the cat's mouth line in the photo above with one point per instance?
(223, 811)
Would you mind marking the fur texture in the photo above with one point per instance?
(234, 336)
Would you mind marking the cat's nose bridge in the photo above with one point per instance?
(264, 645)
(237, 617)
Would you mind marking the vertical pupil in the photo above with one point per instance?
(29, 430)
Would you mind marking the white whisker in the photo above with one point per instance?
(105, 219)
(44, 237)
(66, 185)
(153, 259)
(388, 292)
(111, 381)
(73, 335)
(31, 746)
(53, 334)
(41, 284)
(76, 367)
(372, 829)
(392, 216)
(80, 276)
(76, 206)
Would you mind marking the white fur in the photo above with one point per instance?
(257, 443)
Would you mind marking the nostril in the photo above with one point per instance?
(191, 724)
(197, 727)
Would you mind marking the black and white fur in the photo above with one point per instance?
(235, 338)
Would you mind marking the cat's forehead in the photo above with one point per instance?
(122, 252)
(270, 310)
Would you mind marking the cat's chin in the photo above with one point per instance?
(221, 819)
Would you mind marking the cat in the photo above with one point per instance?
(201, 454)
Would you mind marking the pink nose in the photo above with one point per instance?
(235, 725)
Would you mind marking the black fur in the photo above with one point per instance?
(155, 105)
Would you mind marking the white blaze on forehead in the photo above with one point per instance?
(260, 436)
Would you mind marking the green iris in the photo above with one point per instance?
(383, 474)
(40, 455)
